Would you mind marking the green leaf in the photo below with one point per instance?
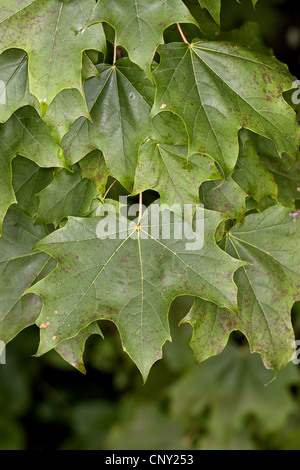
(168, 128)
(214, 7)
(224, 196)
(180, 108)
(212, 326)
(264, 204)
(53, 34)
(165, 169)
(28, 180)
(20, 267)
(269, 285)
(139, 24)
(88, 68)
(14, 5)
(142, 426)
(118, 105)
(250, 173)
(286, 173)
(71, 350)
(13, 74)
(27, 135)
(287, 177)
(68, 194)
(93, 167)
(230, 389)
(247, 35)
(130, 281)
(217, 88)
(65, 109)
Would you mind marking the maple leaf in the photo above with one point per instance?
(235, 380)
(165, 169)
(71, 350)
(217, 88)
(118, 103)
(212, 326)
(28, 180)
(53, 29)
(93, 167)
(20, 266)
(67, 106)
(64, 110)
(212, 114)
(13, 74)
(68, 194)
(130, 281)
(225, 196)
(285, 171)
(27, 135)
(268, 286)
(250, 173)
(213, 6)
(139, 24)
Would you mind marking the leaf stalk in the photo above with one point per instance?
(182, 35)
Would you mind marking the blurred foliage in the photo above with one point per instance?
(227, 402)
(223, 403)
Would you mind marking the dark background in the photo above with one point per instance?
(46, 404)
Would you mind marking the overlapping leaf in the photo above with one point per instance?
(212, 326)
(53, 29)
(267, 288)
(28, 180)
(139, 24)
(250, 173)
(206, 93)
(24, 134)
(20, 266)
(165, 169)
(164, 166)
(200, 83)
(130, 281)
(93, 167)
(118, 102)
(269, 285)
(224, 196)
(68, 194)
(15, 88)
(213, 6)
(66, 107)
(285, 171)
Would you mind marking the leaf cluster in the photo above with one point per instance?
(153, 95)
